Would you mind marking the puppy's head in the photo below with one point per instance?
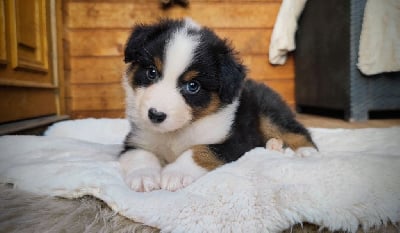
(178, 72)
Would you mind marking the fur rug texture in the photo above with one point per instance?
(351, 184)
(23, 212)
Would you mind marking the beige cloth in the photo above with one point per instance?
(379, 49)
(283, 35)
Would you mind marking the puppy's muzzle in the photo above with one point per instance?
(156, 116)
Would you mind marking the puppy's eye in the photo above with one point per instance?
(151, 73)
(192, 87)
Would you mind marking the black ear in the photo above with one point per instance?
(232, 74)
(134, 43)
(143, 34)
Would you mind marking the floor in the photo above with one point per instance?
(328, 122)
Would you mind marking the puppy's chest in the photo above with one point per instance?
(170, 146)
(166, 147)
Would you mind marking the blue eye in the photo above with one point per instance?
(151, 73)
(192, 87)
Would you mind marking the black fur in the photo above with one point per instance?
(256, 99)
(218, 71)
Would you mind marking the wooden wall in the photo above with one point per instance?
(95, 32)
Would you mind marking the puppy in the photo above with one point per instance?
(191, 109)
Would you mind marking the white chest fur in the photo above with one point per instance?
(208, 130)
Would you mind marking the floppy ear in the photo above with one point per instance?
(141, 35)
(232, 74)
(136, 42)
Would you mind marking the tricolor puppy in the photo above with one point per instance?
(191, 109)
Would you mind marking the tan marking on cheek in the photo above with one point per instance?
(130, 73)
(159, 64)
(212, 107)
(190, 75)
(205, 158)
(292, 140)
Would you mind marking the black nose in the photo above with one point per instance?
(156, 116)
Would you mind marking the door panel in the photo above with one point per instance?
(28, 85)
(31, 35)
(3, 51)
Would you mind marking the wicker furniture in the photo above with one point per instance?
(326, 56)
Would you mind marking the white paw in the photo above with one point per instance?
(274, 144)
(306, 152)
(144, 179)
(173, 180)
(181, 173)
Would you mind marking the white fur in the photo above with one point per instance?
(203, 131)
(164, 97)
(355, 183)
(179, 54)
(274, 144)
(181, 173)
(190, 23)
(141, 170)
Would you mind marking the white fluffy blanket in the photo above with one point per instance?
(354, 179)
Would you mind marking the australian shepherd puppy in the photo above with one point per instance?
(191, 109)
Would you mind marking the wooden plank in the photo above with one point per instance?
(102, 103)
(247, 40)
(101, 42)
(260, 69)
(29, 125)
(284, 87)
(217, 14)
(96, 69)
(21, 103)
(108, 90)
(99, 114)
(33, 84)
(97, 42)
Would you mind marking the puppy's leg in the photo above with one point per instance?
(300, 143)
(292, 133)
(191, 165)
(141, 170)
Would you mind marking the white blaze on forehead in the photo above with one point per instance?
(190, 23)
(179, 53)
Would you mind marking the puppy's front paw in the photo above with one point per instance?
(144, 179)
(173, 180)
(306, 151)
(274, 144)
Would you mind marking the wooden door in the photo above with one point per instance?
(29, 60)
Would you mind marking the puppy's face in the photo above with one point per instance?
(177, 73)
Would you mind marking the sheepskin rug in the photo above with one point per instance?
(68, 182)
(23, 212)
